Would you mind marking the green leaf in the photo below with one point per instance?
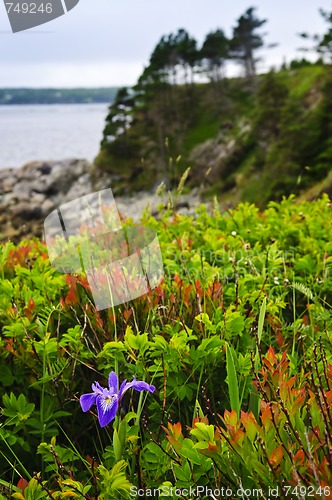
(232, 382)
(261, 320)
(117, 445)
(234, 323)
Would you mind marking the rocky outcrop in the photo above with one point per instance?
(212, 157)
(30, 193)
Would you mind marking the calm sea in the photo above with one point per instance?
(50, 132)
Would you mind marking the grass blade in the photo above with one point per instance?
(233, 386)
(261, 320)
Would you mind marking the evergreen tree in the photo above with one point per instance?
(118, 121)
(322, 43)
(214, 53)
(163, 59)
(271, 97)
(186, 52)
(246, 41)
(325, 42)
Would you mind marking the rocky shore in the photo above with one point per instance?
(30, 193)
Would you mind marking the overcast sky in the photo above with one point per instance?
(108, 42)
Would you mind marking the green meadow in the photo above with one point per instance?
(236, 340)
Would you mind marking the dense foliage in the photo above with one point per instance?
(236, 340)
(237, 134)
(244, 143)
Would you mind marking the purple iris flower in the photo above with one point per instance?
(107, 400)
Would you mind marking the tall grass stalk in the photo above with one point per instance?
(233, 386)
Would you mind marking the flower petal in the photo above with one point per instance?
(113, 382)
(138, 385)
(87, 400)
(97, 388)
(107, 408)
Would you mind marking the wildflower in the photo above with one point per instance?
(108, 400)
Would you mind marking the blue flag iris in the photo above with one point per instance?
(108, 400)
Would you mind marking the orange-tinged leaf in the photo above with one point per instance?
(284, 391)
(212, 447)
(174, 442)
(329, 371)
(266, 417)
(276, 456)
(238, 437)
(92, 461)
(267, 363)
(299, 458)
(175, 429)
(299, 402)
(230, 417)
(249, 422)
(271, 356)
(22, 484)
(200, 419)
(71, 297)
(127, 314)
(30, 308)
(280, 338)
(291, 382)
(328, 396)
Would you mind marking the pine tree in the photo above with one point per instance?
(214, 53)
(246, 41)
(118, 121)
(186, 52)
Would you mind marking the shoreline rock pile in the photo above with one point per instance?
(30, 193)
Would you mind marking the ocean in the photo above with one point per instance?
(50, 132)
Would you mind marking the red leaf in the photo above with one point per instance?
(22, 484)
(30, 308)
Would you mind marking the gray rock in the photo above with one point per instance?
(30, 193)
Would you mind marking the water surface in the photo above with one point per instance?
(50, 132)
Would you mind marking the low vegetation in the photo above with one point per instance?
(236, 341)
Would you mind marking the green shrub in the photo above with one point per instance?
(236, 340)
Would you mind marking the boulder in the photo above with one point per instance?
(28, 194)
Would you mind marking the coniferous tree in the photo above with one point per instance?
(214, 53)
(271, 97)
(246, 41)
(186, 52)
(118, 121)
(325, 42)
(322, 43)
(163, 59)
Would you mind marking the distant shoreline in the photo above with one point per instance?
(24, 96)
(31, 132)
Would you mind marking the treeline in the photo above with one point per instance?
(57, 96)
(178, 61)
(177, 58)
(274, 128)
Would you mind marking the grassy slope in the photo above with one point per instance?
(188, 118)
